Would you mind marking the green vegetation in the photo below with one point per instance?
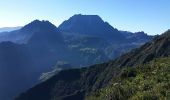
(150, 81)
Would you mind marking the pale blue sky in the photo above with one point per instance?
(151, 16)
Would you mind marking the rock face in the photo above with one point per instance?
(78, 83)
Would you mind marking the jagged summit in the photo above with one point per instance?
(23, 35)
(43, 31)
(38, 25)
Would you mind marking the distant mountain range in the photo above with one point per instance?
(40, 50)
(138, 74)
(9, 29)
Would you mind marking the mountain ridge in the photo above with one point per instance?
(86, 80)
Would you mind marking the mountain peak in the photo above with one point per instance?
(38, 25)
(35, 21)
(91, 25)
(167, 33)
(87, 17)
(140, 33)
(83, 21)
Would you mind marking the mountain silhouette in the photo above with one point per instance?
(91, 25)
(29, 60)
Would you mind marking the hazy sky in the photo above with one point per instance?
(151, 16)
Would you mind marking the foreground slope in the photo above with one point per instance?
(79, 83)
(146, 82)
